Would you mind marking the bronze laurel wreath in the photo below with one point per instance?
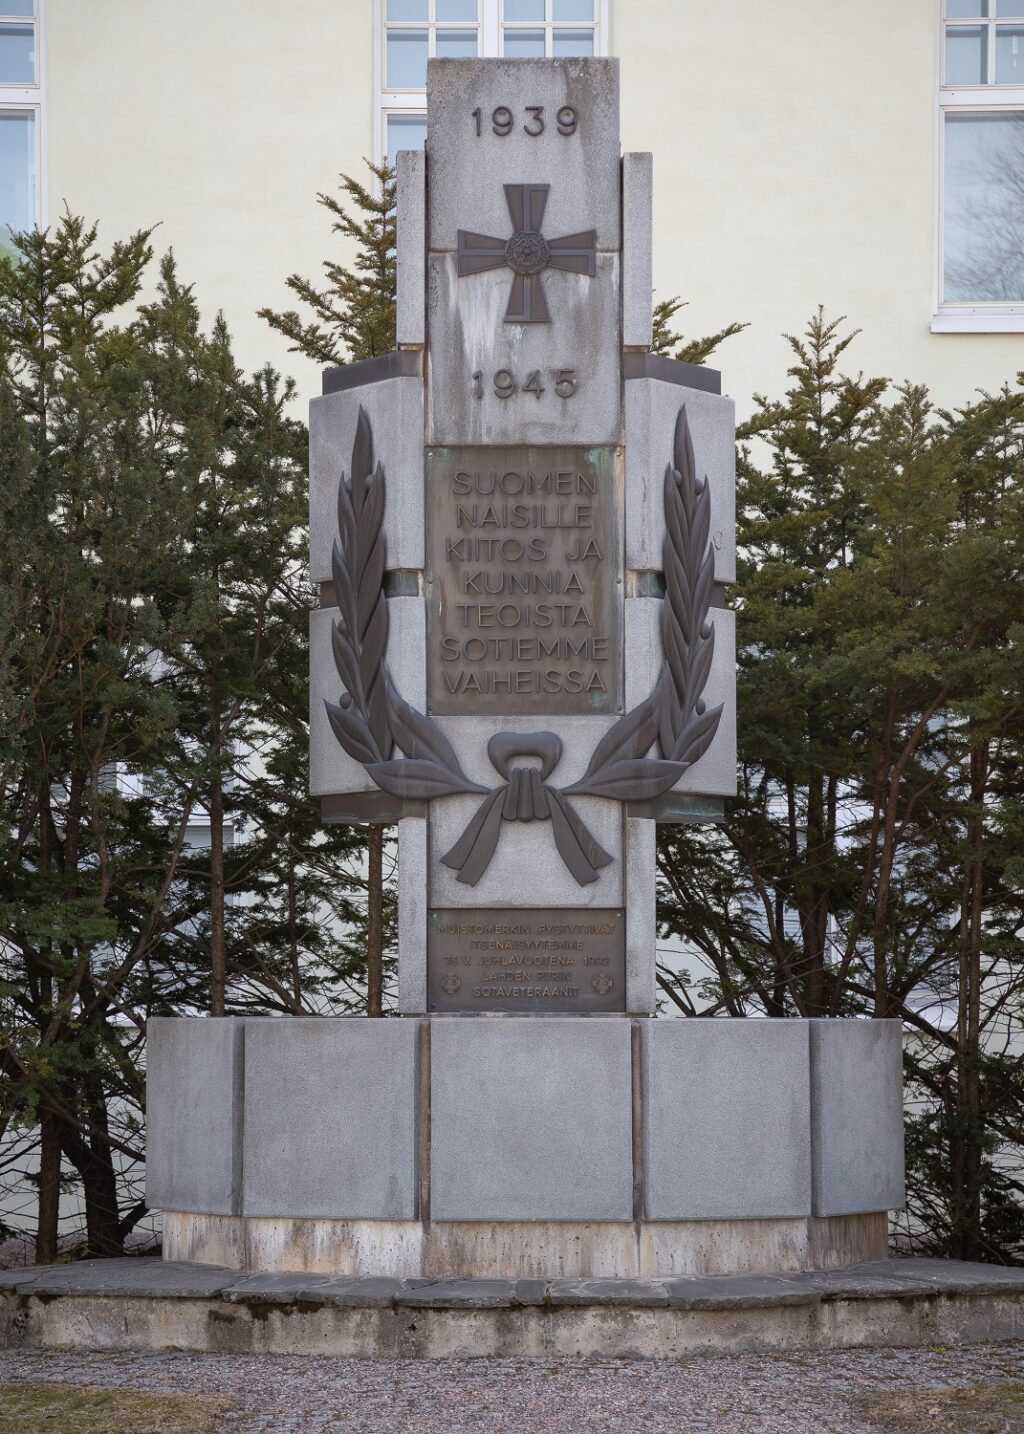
(370, 718)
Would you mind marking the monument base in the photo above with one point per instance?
(536, 1147)
(524, 1249)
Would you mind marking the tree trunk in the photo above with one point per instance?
(99, 1180)
(218, 957)
(375, 922)
(968, 1127)
(49, 1188)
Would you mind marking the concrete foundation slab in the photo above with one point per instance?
(115, 1307)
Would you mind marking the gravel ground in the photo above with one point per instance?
(803, 1394)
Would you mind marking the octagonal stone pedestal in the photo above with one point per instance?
(506, 1146)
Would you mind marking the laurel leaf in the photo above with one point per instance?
(697, 736)
(352, 733)
(417, 736)
(420, 780)
(631, 736)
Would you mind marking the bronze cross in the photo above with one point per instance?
(526, 253)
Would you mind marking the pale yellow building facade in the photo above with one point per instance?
(863, 154)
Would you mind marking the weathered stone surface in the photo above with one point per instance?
(651, 408)
(865, 1284)
(194, 1114)
(373, 1292)
(330, 1118)
(637, 241)
(715, 772)
(412, 915)
(753, 1084)
(526, 868)
(531, 1119)
(731, 1292)
(638, 1294)
(457, 1294)
(582, 168)
(283, 1289)
(141, 1278)
(639, 857)
(411, 247)
(331, 769)
(857, 1115)
(395, 410)
(467, 317)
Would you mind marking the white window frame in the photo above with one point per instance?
(413, 103)
(988, 98)
(22, 99)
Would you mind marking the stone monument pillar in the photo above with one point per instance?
(522, 528)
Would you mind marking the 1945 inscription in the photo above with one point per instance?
(524, 571)
(531, 960)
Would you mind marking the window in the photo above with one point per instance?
(413, 31)
(981, 170)
(20, 117)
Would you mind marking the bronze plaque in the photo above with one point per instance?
(526, 960)
(524, 580)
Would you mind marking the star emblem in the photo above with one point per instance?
(527, 253)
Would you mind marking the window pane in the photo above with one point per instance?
(572, 42)
(407, 59)
(966, 62)
(17, 54)
(983, 231)
(450, 9)
(955, 8)
(573, 10)
(17, 174)
(457, 44)
(405, 132)
(1009, 55)
(524, 44)
(524, 9)
(1010, 7)
(397, 9)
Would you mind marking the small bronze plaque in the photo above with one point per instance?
(524, 580)
(527, 960)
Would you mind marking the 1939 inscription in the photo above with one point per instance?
(530, 960)
(524, 572)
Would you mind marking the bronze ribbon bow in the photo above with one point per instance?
(525, 797)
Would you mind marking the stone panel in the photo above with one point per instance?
(726, 1119)
(467, 316)
(651, 407)
(637, 239)
(411, 248)
(412, 914)
(857, 1116)
(395, 410)
(468, 172)
(715, 773)
(531, 1119)
(330, 1118)
(331, 769)
(194, 1114)
(641, 914)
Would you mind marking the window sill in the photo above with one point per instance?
(978, 321)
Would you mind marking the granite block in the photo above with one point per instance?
(394, 407)
(651, 408)
(411, 247)
(194, 1114)
(637, 242)
(714, 774)
(726, 1126)
(330, 1118)
(857, 1115)
(531, 1119)
(582, 168)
